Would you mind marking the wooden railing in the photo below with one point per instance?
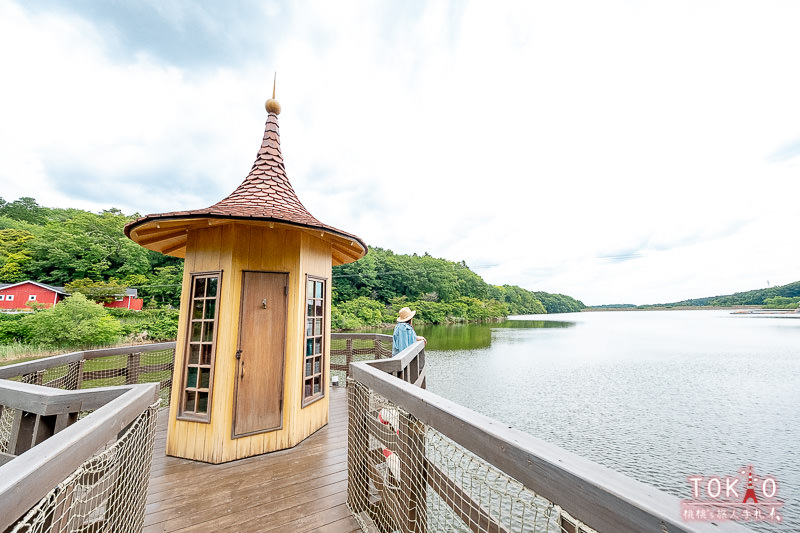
(96, 368)
(48, 442)
(596, 496)
(44, 440)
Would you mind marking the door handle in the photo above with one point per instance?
(264, 303)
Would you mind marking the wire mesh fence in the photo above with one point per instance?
(404, 475)
(106, 493)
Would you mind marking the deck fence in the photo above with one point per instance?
(76, 438)
(420, 463)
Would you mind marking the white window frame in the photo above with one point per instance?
(9, 297)
(31, 297)
(2, 297)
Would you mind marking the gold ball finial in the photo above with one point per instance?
(272, 105)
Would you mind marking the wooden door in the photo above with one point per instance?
(258, 402)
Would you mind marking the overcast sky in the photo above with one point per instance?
(618, 152)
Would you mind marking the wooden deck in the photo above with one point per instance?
(301, 489)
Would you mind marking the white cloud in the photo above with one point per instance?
(537, 137)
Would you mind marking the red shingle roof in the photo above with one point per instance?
(265, 194)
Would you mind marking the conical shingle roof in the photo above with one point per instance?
(265, 195)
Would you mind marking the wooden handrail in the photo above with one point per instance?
(29, 477)
(28, 367)
(600, 497)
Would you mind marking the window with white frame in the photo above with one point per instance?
(31, 297)
(2, 297)
(10, 297)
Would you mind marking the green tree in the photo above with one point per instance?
(74, 322)
(25, 209)
(97, 291)
(86, 246)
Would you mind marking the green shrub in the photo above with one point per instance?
(13, 329)
(74, 321)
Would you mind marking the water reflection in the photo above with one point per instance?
(453, 337)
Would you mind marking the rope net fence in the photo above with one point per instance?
(125, 369)
(404, 475)
(351, 350)
(106, 493)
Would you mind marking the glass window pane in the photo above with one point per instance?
(197, 309)
(309, 346)
(191, 378)
(316, 385)
(202, 402)
(211, 292)
(318, 308)
(206, 359)
(208, 332)
(318, 345)
(310, 308)
(318, 327)
(194, 354)
(211, 307)
(199, 287)
(310, 289)
(307, 391)
(204, 374)
(309, 327)
(190, 401)
(318, 293)
(317, 366)
(308, 367)
(196, 329)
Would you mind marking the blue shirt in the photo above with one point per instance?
(404, 336)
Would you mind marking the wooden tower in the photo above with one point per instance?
(252, 358)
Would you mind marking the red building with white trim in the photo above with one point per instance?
(17, 295)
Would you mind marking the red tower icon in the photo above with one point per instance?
(750, 493)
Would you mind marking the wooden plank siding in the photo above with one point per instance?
(300, 489)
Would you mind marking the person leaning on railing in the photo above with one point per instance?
(404, 334)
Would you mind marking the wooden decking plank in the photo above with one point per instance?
(300, 489)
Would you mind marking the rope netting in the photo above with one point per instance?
(106, 493)
(125, 369)
(404, 475)
(350, 350)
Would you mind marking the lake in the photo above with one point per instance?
(657, 395)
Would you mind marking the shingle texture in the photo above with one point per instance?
(264, 194)
(266, 191)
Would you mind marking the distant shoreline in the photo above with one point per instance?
(737, 309)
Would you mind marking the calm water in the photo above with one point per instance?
(656, 395)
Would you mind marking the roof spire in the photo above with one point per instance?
(272, 105)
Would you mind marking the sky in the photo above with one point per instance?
(618, 152)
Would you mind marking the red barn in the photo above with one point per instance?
(17, 295)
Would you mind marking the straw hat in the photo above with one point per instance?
(406, 314)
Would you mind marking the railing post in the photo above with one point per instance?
(75, 375)
(413, 479)
(348, 356)
(357, 449)
(133, 368)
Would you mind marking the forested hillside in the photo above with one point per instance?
(780, 296)
(89, 253)
(57, 246)
(371, 290)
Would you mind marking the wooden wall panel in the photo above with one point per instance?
(231, 248)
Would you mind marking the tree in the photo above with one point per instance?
(97, 291)
(74, 321)
(86, 246)
(25, 209)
